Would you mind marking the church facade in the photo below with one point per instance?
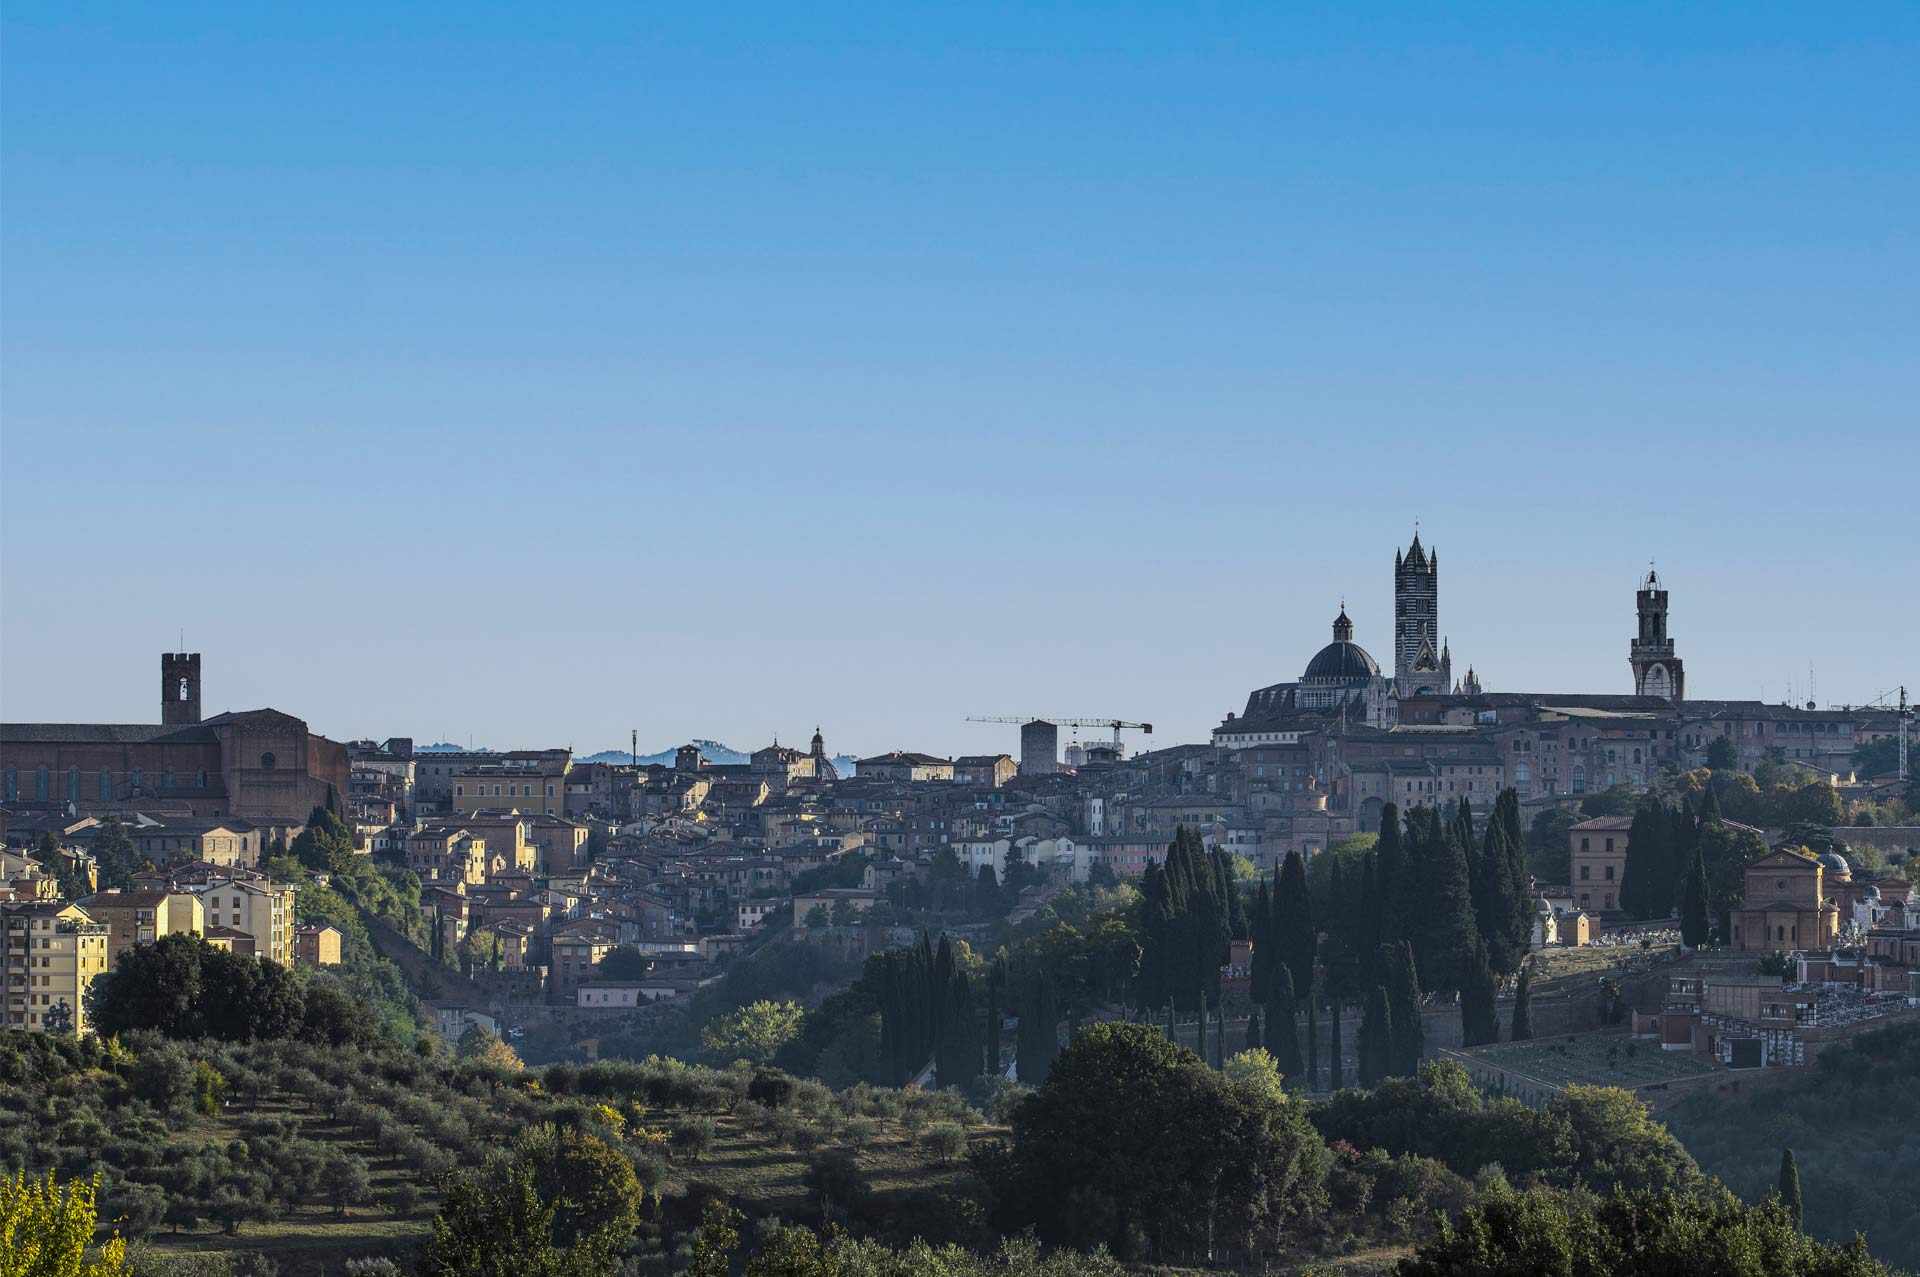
(1343, 682)
(259, 765)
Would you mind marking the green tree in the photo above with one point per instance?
(494, 1223)
(1231, 1165)
(1403, 989)
(1376, 1038)
(48, 1231)
(1790, 1186)
(1293, 929)
(755, 1032)
(1722, 755)
(591, 1184)
(1282, 1031)
(1696, 922)
(715, 1242)
(1479, 1018)
(1635, 1234)
(1523, 1006)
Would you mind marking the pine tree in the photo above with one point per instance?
(1253, 1029)
(1479, 1020)
(1293, 922)
(1523, 1005)
(1336, 1068)
(1376, 1038)
(1283, 1035)
(1409, 1037)
(1790, 1185)
(1695, 904)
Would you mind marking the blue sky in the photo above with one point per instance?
(538, 372)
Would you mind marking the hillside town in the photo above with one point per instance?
(563, 895)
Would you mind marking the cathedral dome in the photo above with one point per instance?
(1340, 661)
(1836, 864)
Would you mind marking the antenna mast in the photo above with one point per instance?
(1903, 732)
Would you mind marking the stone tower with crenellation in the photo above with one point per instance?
(179, 688)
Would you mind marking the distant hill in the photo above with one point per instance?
(444, 748)
(715, 753)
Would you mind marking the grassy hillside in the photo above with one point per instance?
(312, 1157)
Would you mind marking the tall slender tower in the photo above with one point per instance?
(1656, 670)
(1416, 623)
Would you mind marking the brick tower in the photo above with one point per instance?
(179, 688)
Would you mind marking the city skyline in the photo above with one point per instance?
(941, 731)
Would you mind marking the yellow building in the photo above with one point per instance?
(1599, 849)
(1785, 905)
(258, 906)
(141, 917)
(52, 952)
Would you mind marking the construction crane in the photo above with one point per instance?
(1117, 724)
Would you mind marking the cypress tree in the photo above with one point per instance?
(957, 1056)
(1409, 1037)
(1695, 915)
(996, 985)
(1253, 1029)
(1520, 897)
(1479, 1020)
(1790, 1185)
(1293, 922)
(1313, 1045)
(1260, 927)
(1390, 853)
(1709, 803)
(1523, 1006)
(1376, 1038)
(1220, 1041)
(1444, 944)
(1368, 935)
(1283, 1035)
(1039, 1040)
(1336, 1068)
(1200, 1031)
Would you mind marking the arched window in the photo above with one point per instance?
(138, 778)
(106, 785)
(73, 784)
(40, 783)
(1636, 755)
(1522, 776)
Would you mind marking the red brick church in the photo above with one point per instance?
(259, 765)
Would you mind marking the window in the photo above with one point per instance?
(73, 784)
(11, 791)
(139, 780)
(1609, 844)
(1609, 874)
(200, 778)
(1586, 872)
(266, 761)
(40, 785)
(106, 785)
